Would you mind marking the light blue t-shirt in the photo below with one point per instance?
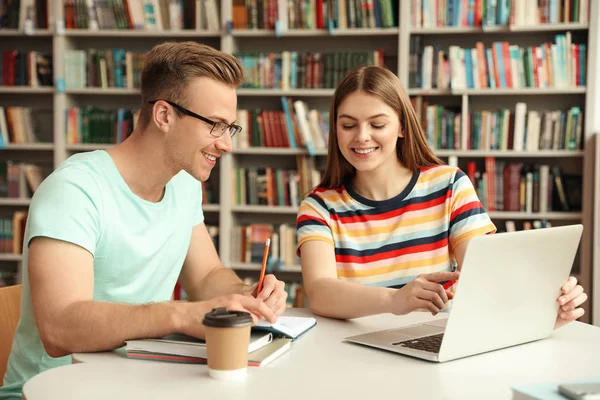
(138, 246)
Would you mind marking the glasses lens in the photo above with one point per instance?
(234, 130)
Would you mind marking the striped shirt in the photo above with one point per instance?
(389, 243)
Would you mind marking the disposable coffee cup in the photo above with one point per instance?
(227, 340)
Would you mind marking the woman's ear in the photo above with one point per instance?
(401, 134)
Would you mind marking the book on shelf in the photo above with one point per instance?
(247, 245)
(501, 129)
(296, 126)
(12, 232)
(318, 14)
(302, 70)
(465, 13)
(25, 68)
(96, 125)
(25, 15)
(502, 65)
(23, 125)
(176, 346)
(518, 187)
(103, 68)
(19, 180)
(149, 15)
(275, 186)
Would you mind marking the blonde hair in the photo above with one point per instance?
(381, 83)
(171, 66)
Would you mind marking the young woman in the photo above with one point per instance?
(389, 224)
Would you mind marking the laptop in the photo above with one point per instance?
(505, 296)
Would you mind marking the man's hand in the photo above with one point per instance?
(273, 294)
(571, 298)
(191, 321)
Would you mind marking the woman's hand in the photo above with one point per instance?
(571, 298)
(424, 292)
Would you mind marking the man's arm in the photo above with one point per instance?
(61, 275)
(203, 276)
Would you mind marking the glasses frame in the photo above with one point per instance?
(185, 111)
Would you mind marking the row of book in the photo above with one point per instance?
(248, 243)
(19, 180)
(502, 65)
(303, 70)
(12, 232)
(25, 14)
(110, 68)
(151, 15)
(98, 125)
(23, 125)
(270, 186)
(314, 14)
(25, 68)
(501, 129)
(294, 127)
(513, 226)
(517, 187)
(463, 13)
(8, 278)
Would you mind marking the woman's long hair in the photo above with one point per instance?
(413, 151)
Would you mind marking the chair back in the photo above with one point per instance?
(10, 306)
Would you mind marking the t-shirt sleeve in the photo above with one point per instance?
(67, 206)
(198, 216)
(313, 222)
(468, 217)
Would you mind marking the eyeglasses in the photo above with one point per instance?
(218, 128)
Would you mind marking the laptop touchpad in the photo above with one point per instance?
(420, 330)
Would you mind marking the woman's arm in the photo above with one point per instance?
(331, 297)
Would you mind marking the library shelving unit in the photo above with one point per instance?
(396, 44)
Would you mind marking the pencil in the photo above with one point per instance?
(263, 268)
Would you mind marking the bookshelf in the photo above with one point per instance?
(394, 41)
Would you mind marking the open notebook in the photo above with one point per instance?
(290, 327)
(183, 346)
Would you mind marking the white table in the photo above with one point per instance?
(320, 365)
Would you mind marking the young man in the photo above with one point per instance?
(110, 232)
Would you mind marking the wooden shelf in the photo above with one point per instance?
(315, 32)
(106, 92)
(89, 146)
(265, 209)
(495, 91)
(519, 92)
(22, 34)
(564, 216)
(290, 92)
(188, 33)
(510, 153)
(256, 267)
(276, 151)
(8, 201)
(211, 207)
(11, 257)
(452, 30)
(29, 146)
(26, 90)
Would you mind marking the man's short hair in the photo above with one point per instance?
(170, 67)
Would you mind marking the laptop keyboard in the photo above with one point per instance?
(427, 343)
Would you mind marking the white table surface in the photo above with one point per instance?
(321, 365)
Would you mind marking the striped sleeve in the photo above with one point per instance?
(468, 218)
(313, 222)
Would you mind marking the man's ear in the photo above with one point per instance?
(162, 116)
